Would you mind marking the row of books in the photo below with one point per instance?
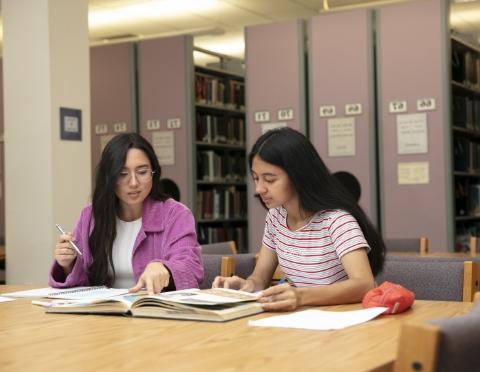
(466, 155)
(220, 129)
(221, 203)
(466, 112)
(215, 166)
(213, 234)
(467, 198)
(216, 91)
(466, 67)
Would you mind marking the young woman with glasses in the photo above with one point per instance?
(314, 229)
(131, 236)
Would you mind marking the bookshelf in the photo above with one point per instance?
(113, 95)
(276, 94)
(465, 87)
(342, 99)
(415, 139)
(220, 144)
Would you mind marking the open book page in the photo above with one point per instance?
(74, 293)
(213, 296)
(320, 320)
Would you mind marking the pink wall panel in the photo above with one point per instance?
(340, 73)
(112, 91)
(166, 92)
(412, 65)
(275, 80)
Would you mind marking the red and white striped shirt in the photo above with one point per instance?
(310, 256)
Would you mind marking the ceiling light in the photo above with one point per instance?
(147, 9)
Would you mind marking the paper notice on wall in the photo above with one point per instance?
(412, 136)
(341, 136)
(163, 143)
(413, 173)
(269, 126)
(104, 140)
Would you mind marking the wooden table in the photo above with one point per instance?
(33, 340)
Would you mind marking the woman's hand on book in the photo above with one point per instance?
(233, 282)
(155, 277)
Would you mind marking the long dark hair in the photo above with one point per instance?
(317, 189)
(105, 203)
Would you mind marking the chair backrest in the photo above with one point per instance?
(215, 265)
(447, 345)
(228, 247)
(433, 278)
(244, 264)
(417, 245)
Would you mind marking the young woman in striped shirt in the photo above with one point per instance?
(315, 230)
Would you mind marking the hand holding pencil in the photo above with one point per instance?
(66, 250)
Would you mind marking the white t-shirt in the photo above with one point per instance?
(122, 252)
(310, 256)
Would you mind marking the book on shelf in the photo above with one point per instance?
(215, 305)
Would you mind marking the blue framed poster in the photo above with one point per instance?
(70, 124)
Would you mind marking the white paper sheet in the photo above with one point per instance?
(75, 293)
(6, 299)
(320, 320)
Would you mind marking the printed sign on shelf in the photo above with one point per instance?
(425, 104)
(285, 114)
(262, 116)
(153, 124)
(173, 123)
(353, 109)
(341, 136)
(395, 107)
(327, 111)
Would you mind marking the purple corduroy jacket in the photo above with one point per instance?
(167, 235)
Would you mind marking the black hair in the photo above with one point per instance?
(105, 203)
(317, 189)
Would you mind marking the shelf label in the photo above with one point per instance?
(173, 123)
(397, 106)
(426, 104)
(285, 114)
(153, 124)
(353, 109)
(120, 127)
(101, 128)
(262, 116)
(327, 111)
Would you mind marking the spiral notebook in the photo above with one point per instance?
(74, 293)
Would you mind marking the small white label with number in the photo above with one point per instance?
(120, 127)
(426, 104)
(327, 111)
(262, 116)
(397, 106)
(173, 123)
(153, 124)
(101, 128)
(353, 109)
(285, 114)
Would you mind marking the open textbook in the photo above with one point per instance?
(216, 304)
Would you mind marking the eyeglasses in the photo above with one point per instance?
(143, 175)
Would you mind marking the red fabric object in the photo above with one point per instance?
(391, 295)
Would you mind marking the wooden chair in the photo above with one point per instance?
(215, 265)
(447, 345)
(433, 278)
(473, 245)
(414, 245)
(228, 247)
